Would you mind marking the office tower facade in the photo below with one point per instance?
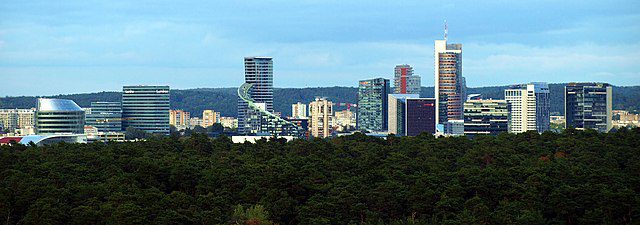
(210, 117)
(59, 116)
(404, 81)
(12, 119)
(259, 121)
(321, 117)
(146, 108)
(372, 104)
(397, 113)
(588, 106)
(258, 72)
(411, 115)
(299, 111)
(105, 116)
(454, 127)
(179, 118)
(489, 117)
(450, 87)
(530, 107)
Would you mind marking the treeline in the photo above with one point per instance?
(225, 100)
(567, 178)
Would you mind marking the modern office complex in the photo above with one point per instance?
(372, 104)
(588, 106)
(58, 116)
(489, 117)
(146, 108)
(259, 121)
(530, 106)
(450, 86)
(13, 119)
(258, 72)
(410, 115)
(321, 116)
(404, 81)
(179, 117)
(210, 117)
(299, 110)
(454, 127)
(105, 116)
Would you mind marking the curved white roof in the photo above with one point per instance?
(51, 104)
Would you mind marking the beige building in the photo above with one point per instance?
(345, 120)
(299, 111)
(321, 116)
(229, 122)
(179, 118)
(12, 119)
(210, 117)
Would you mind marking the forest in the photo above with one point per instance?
(225, 100)
(573, 177)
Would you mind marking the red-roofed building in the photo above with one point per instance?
(8, 140)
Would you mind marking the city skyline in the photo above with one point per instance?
(103, 46)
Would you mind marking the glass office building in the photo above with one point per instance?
(588, 106)
(489, 117)
(420, 116)
(146, 108)
(530, 106)
(105, 116)
(372, 105)
(260, 121)
(258, 71)
(58, 116)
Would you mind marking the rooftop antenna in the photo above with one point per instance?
(446, 31)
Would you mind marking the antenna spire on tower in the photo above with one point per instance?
(445, 30)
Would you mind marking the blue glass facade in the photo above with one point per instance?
(588, 106)
(373, 105)
(146, 108)
(105, 116)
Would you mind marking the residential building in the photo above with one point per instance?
(588, 106)
(450, 86)
(529, 105)
(489, 117)
(258, 73)
(105, 116)
(210, 117)
(299, 110)
(258, 120)
(229, 122)
(58, 116)
(179, 118)
(321, 116)
(146, 108)
(372, 105)
(404, 81)
(13, 119)
(345, 120)
(195, 121)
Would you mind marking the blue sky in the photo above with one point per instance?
(54, 47)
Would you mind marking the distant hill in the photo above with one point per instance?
(225, 100)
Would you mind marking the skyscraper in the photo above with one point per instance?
(146, 108)
(258, 72)
(59, 116)
(397, 113)
(299, 111)
(588, 106)
(105, 116)
(410, 115)
(259, 121)
(321, 116)
(372, 104)
(450, 87)
(529, 105)
(486, 117)
(404, 81)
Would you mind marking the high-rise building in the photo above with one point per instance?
(258, 72)
(529, 105)
(146, 108)
(372, 105)
(450, 87)
(299, 111)
(179, 118)
(12, 119)
(410, 115)
(210, 117)
(321, 116)
(588, 106)
(486, 117)
(404, 81)
(105, 116)
(259, 121)
(58, 116)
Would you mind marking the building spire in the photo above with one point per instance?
(446, 31)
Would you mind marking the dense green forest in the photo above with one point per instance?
(567, 178)
(225, 100)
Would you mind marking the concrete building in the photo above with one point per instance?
(13, 119)
(345, 120)
(195, 121)
(105, 116)
(229, 122)
(372, 105)
(489, 117)
(258, 72)
(321, 117)
(404, 81)
(588, 106)
(259, 121)
(58, 116)
(179, 118)
(146, 108)
(299, 111)
(529, 105)
(450, 86)
(210, 117)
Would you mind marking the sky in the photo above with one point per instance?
(61, 47)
